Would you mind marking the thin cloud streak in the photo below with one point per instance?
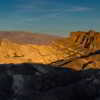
(36, 6)
(51, 13)
(37, 12)
(79, 9)
(33, 12)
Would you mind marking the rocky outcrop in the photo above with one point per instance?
(86, 39)
(82, 50)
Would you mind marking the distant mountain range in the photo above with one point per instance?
(27, 37)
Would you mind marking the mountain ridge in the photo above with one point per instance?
(27, 37)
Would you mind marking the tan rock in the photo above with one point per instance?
(70, 52)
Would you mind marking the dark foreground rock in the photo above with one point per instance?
(43, 82)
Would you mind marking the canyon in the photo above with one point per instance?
(46, 67)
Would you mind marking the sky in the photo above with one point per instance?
(50, 16)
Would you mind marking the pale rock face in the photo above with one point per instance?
(86, 39)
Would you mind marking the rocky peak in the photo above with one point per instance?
(85, 39)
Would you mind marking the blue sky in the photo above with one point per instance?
(50, 16)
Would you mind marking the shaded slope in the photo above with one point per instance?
(43, 82)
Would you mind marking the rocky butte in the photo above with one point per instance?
(78, 51)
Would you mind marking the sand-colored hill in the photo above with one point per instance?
(78, 51)
(19, 47)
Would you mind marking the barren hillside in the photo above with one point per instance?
(81, 50)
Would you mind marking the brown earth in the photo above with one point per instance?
(27, 37)
(81, 50)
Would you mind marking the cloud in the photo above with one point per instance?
(43, 8)
(34, 10)
(78, 9)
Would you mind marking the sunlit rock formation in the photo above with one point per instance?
(86, 39)
(80, 50)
